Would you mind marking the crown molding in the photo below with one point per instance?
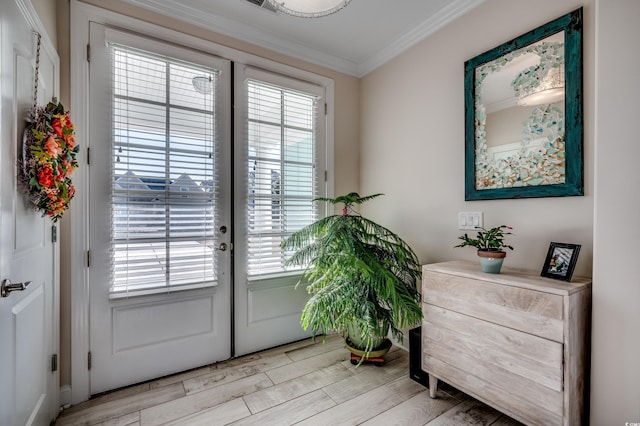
(249, 34)
(450, 12)
(500, 105)
(264, 39)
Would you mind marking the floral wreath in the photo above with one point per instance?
(48, 158)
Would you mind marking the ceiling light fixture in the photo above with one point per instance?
(309, 8)
(550, 89)
(202, 84)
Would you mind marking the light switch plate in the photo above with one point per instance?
(470, 220)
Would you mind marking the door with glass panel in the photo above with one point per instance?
(160, 188)
(280, 159)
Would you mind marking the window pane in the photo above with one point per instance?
(265, 141)
(282, 176)
(164, 174)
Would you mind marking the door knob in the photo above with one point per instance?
(222, 247)
(7, 287)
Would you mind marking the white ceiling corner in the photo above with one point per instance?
(355, 41)
(430, 25)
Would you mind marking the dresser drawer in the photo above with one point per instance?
(518, 401)
(449, 334)
(523, 309)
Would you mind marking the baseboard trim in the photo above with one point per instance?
(65, 395)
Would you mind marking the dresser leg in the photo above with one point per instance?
(433, 385)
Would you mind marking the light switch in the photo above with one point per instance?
(470, 220)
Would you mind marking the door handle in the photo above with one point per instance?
(222, 247)
(7, 287)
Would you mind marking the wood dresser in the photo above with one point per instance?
(514, 340)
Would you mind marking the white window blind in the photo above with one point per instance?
(163, 175)
(283, 178)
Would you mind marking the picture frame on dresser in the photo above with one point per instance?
(560, 261)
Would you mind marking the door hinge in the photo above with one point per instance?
(54, 362)
(326, 109)
(88, 53)
(88, 258)
(54, 234)
(326, 176)
(89, 361)
(88, 155)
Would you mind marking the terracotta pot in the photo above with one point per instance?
(491, 260)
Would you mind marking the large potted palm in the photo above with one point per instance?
(362, 277)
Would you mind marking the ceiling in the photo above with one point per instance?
(355, 41)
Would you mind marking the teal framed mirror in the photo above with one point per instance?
(524, 115)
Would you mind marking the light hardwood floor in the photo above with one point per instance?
(304, 383)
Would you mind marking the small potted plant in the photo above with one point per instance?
(490, 244)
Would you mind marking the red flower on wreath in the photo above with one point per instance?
(57, 127)
(68, 122)
(45, 176)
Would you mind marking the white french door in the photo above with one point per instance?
(176, 282)
(160, 188)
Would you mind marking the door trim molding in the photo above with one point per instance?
(81, 15)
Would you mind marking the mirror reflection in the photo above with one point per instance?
(520, 117)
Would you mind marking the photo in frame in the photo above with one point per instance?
(561, 261)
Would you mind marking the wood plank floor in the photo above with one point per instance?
(305, 383)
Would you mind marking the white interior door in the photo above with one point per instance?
(29, 319)
(159, 195)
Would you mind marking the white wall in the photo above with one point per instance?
(615, 360)
(412, 148)
(46, 10)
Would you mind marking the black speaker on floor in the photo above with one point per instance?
(415, 357)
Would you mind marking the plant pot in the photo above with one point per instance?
(491, 260)
(376, 352)
(355, 340)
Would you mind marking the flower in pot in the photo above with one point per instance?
(362, 277)
(490, 244)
